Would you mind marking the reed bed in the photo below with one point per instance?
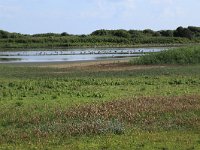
(186, 55)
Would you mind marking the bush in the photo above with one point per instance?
(187, 55)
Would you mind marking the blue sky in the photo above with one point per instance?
(85, 16)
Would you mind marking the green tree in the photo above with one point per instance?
(136, 33)
(148, 32)
(156, 34)
(167, 33)
(195, 30)
(4, 34)
(101, 32)
(121, 33)
(64, 34)
(183, 32)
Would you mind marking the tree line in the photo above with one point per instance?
(102, 37)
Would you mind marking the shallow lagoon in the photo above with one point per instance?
(57, 55)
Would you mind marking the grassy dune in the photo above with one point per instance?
(99, 106)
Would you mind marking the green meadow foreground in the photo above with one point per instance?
(100, 105)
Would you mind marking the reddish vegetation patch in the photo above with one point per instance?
(143, 112)
(146, 113)
(129, 110)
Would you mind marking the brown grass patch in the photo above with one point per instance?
(146, 113)
(143, 112)
(129, 110)
(96, 66)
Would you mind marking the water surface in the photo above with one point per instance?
(58, 55)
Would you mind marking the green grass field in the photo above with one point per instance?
(99, 106)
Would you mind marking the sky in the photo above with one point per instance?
(86, 16)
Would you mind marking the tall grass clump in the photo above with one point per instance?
(186, 55)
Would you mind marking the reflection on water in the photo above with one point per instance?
(73, 54)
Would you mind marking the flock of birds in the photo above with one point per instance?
(88, 52)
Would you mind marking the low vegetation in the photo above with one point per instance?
(104, 106)
(10, 59)
(188, 55)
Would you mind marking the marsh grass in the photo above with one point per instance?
(98, 109)
(186, 55)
